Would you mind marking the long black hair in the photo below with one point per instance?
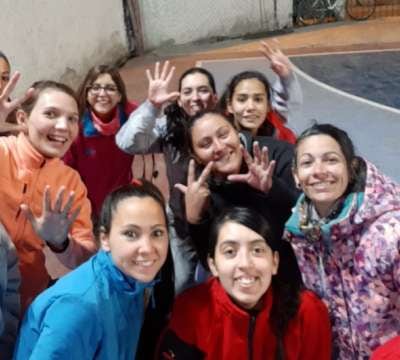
(156, 315)
(266, 128)
(177, 118)
(286, 284)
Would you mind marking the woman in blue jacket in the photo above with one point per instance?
(96, 311)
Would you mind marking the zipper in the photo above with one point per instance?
(23, 192)
(250, 334)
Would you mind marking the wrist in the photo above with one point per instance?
(157, 105)
(59, 248)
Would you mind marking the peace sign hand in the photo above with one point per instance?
(280, 63)
(196, 192)
(260, 168)
(54, 223)
(7, 106)
(158, 85)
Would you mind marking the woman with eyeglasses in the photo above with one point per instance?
(105, 107)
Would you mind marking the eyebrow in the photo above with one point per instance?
(233, 242)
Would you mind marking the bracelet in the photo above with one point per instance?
(57, 250)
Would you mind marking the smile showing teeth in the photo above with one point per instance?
(144, 263)
(246, 281)
(57, 138)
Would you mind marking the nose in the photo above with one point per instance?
(195, 96)
(146, 246)
(250, 104)
(245, 259)
(62, 123)
(319, 168)
(218, 146)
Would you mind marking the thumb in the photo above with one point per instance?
(182, 188)
(172, 96)
(25, 209)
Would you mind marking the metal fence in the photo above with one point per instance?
(309, 12)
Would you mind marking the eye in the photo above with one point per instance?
(229, 252)
(158, 233)
(73, 119)
(258, 250)
(110, 88)
(205, 144)
(204, 90)
(187, 91)
(305, 163)
(333, 160)
(51, 114)
(224, 134)
(132, 235)
(95, 87)
(259, 99)
(241, 98)
(5, 78)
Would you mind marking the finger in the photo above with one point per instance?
(256, 153)
(70, 201)
(164, 70)
(10, 86)
(25, 209)
(148, 74)
(182, 188)
(17, 102)
(247, 157)
(266, 50)
(191, 172)
(170, 75)
(172, 96)
(157, 71)
(205, 173)
(59, 199)
(271, 168)
(264, 157)
(237, 177)
(74, 215)
(46, 199)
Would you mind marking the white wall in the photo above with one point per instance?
(167, 22)
(61, 39)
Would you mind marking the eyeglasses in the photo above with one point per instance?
(95, 89)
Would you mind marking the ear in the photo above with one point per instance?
(104, 240)
(214, 99)
(179, 102)
(275, 263)
(296, 178)
(22, 118)
(211, 265)
(229, 108)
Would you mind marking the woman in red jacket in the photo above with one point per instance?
(251, 308)
(94, 154)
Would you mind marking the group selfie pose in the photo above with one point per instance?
(270, 244)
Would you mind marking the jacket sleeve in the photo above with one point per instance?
(68, 330)
(315, 328)
(143, 132)
(9, 295)
(287, 96)
(81, 239)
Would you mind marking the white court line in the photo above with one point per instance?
(317, 82)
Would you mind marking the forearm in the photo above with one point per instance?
(141, 132)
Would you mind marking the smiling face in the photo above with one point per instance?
(321, 171)
(249, 104)
(196, 94)
(138, 238)
(215, 139)
(52, 125)
(4, 74)
(244, 264)
(103, 96)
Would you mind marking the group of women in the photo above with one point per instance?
(297, 240)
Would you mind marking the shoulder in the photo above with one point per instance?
(197, 297)
(312, 307)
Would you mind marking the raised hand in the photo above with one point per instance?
(280, 63)
(196, 192)
(260, 169)
(158, 93)
(54, 223)
(7, 106)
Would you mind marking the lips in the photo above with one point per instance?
(57, 138)
(144, 263)
(246, 281)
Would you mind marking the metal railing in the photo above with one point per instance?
(309, 12)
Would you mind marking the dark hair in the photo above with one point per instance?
(177, 118)
(355, 165)
(286, 284)
(4, 57)
(266, 128)
(91, 77)
(199, 116)
(41, 86)
(139, 188)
